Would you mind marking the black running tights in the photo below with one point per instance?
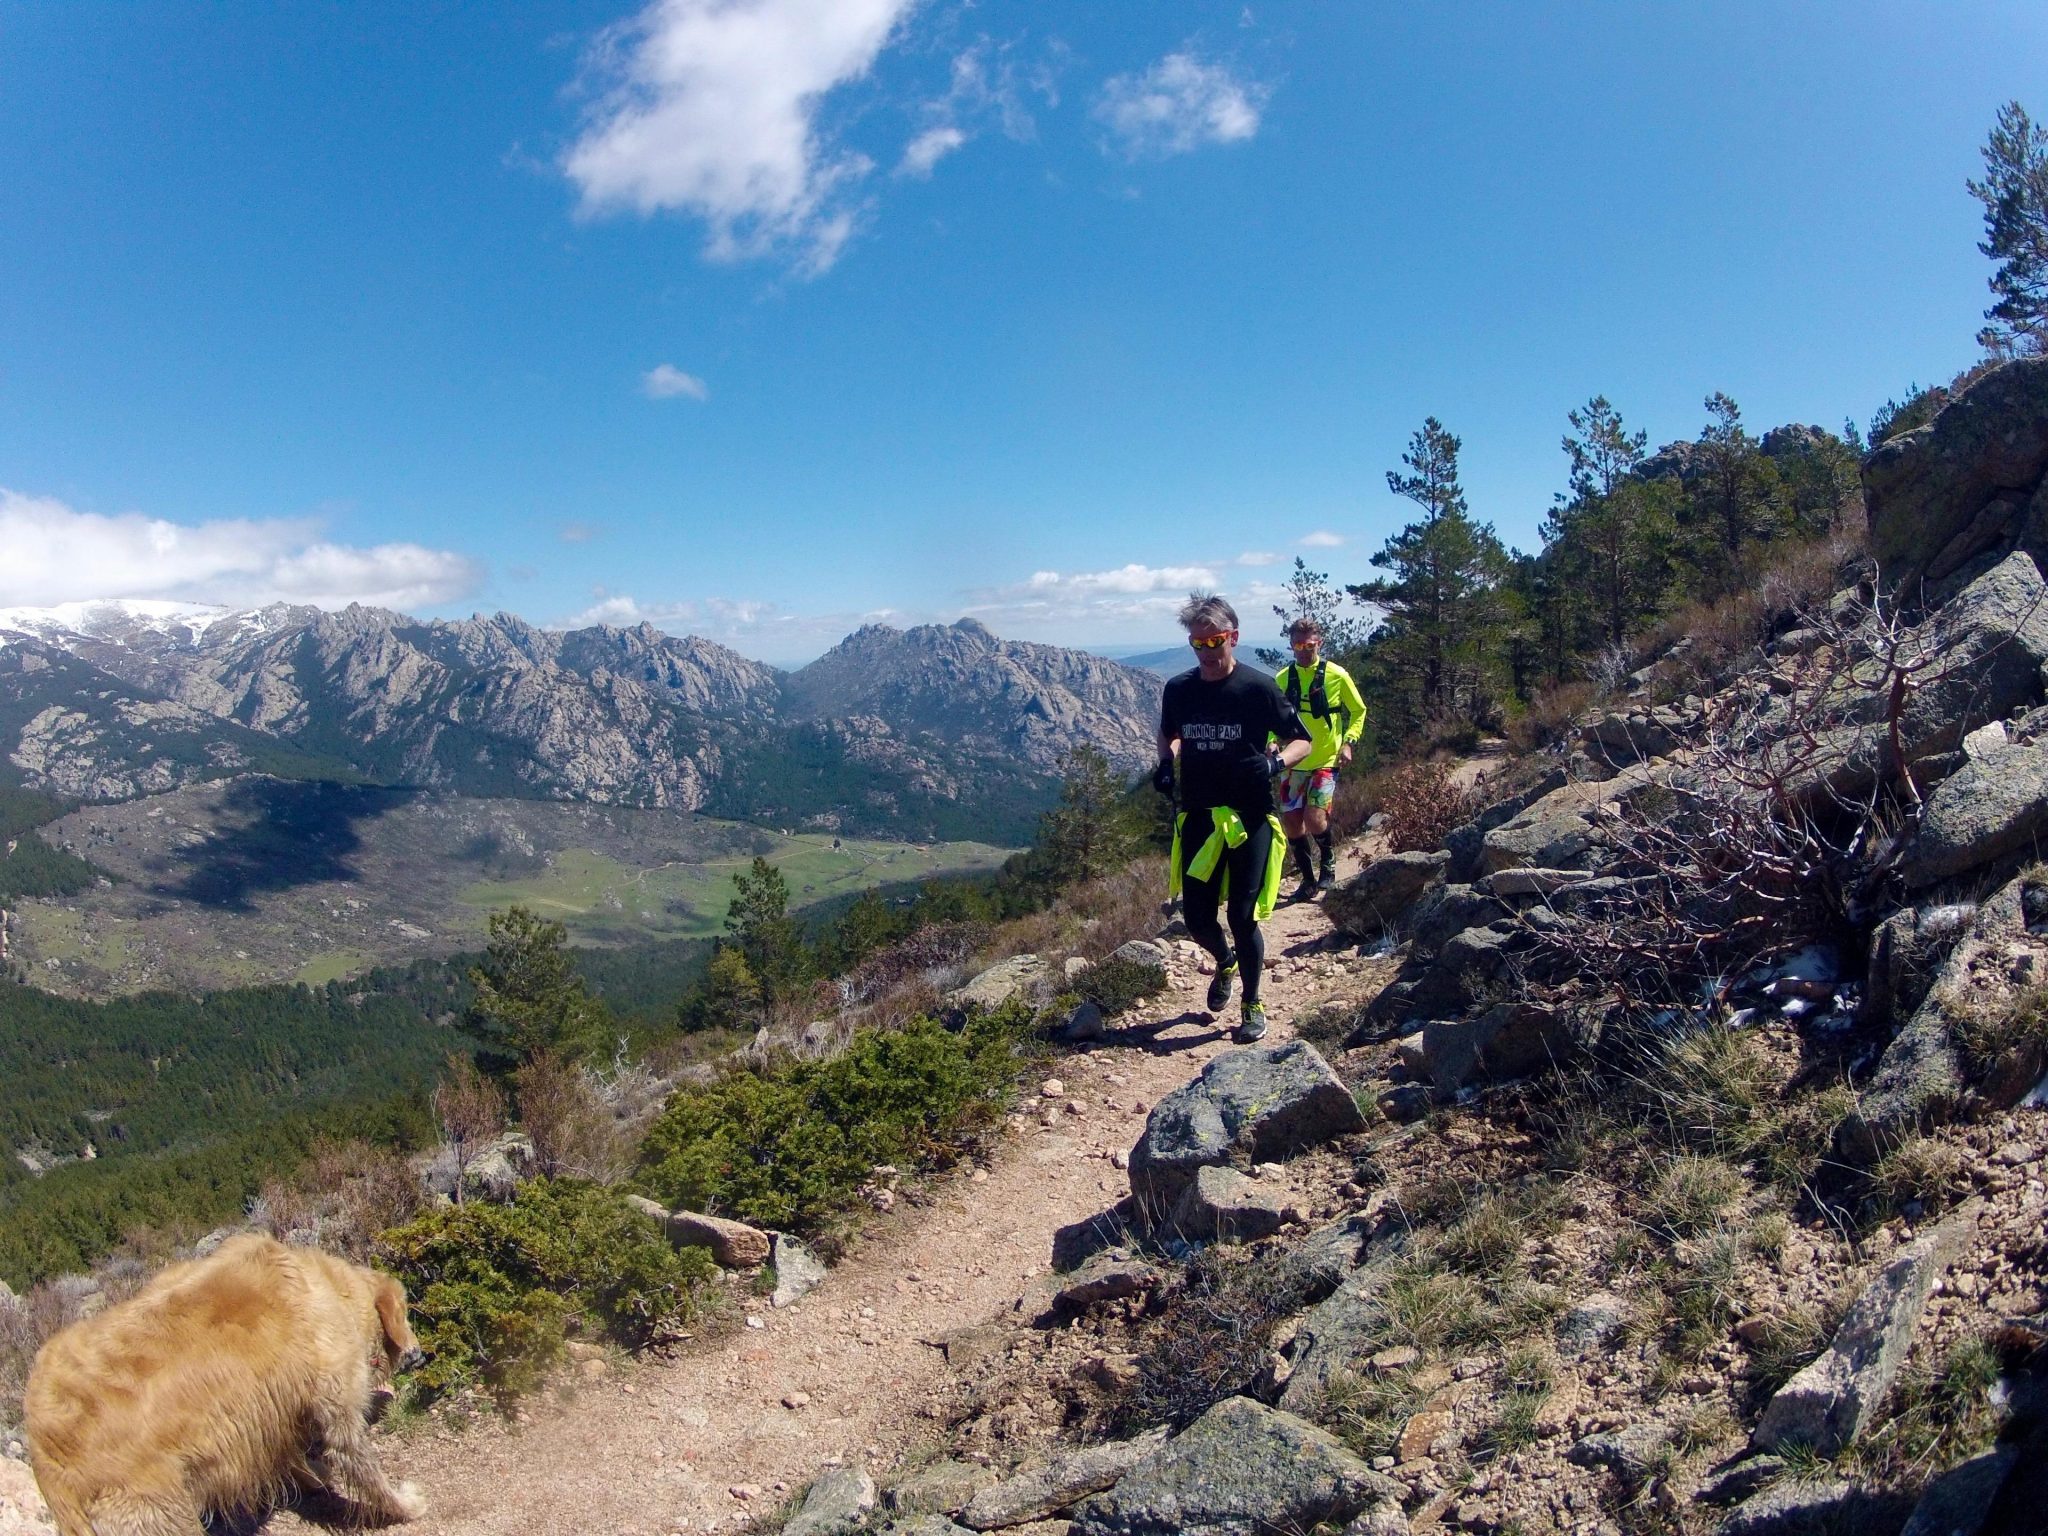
(1246, 866)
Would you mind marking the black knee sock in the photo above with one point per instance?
(1303, 857)
(1329, 853)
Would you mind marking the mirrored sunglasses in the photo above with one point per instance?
(1213, 642)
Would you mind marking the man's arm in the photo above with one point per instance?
(1353, 703)
(1295, 741)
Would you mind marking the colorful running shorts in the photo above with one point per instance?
(1304, 787)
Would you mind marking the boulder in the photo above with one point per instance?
(1058, 1483)
(1145, 955)
(1266, 1101)
(1083, 1024)
(1828, 1404)
(1111, 1275)
(1958, 1502)
(1995, 806)
(733, 1244)
(1561, 830)
(1002, 981)
(943, 1488)
(922, 1525)
(1508, 1040)
(1324, 1260)
(1817, 1506)
(798, 1271)
(1447, 912)
(1239, 1469)
(837, 1504)
(1331, 1337)
(1380, 895)
(1222, 1205)
(1526, 882)
(1906, 953)
(1955, 490)
(496, 1172)
(1922, 1077)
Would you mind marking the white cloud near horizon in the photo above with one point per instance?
(57, 554)
(665, 381)
(1322, 538)
(710, 108)
(1177, 106)
(1256, 557)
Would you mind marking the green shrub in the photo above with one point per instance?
(494, 1287)
(787, 1147)
(1114, 985)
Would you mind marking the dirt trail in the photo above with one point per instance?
(663, 1445)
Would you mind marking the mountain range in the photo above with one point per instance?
(936, 731)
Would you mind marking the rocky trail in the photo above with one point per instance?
(742, 1418)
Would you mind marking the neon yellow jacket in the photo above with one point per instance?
(1345, 720)
(1227, 830)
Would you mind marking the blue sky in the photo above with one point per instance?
(762, 318)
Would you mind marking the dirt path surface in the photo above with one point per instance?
(709, 1439)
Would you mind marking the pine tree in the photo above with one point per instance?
(1092, 830)
(1737, 497)
(1611, 538)
(529, 998)
(761, 928)
(2014, 193)
(1311, 595)
(1447, 615)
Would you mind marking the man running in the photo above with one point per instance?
(1220, 718)
(1331, 707)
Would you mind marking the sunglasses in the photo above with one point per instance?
(1214, 642)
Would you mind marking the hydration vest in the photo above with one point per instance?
(1318, 699)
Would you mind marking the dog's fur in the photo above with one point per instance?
(225, 1385)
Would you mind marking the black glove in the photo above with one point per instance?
(1162, 777)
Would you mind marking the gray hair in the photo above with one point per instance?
(1206, 610)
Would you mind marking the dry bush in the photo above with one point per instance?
(1118, 908)
(1353, 806)
(25, 1322)
(1551, 715)
(565, 1118)
(936, 955)
(1421, 805)
(341, 1199)
(470, 1109)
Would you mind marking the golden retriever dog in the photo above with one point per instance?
(223, 1386)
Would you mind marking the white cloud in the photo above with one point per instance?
(748, 625)
(577, 533)
(929, 148)
(1177, 106)
(1255, 557)
(710, 107)
(1322, 538)
(55, 554)
(987, 86)
(664, 381)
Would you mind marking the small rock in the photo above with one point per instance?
(734, 1244)
(796, 1400)
(1052, 1088)
(836, 1505)
(798, 1271)
(1058, 1483)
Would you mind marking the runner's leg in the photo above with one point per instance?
(1247, 876)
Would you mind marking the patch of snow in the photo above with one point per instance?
(106, 617)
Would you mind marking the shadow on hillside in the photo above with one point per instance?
(275, 834)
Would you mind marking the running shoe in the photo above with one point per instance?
(1306, 891)
(1219, 986)
(1251, 1025)
(1328, 879)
